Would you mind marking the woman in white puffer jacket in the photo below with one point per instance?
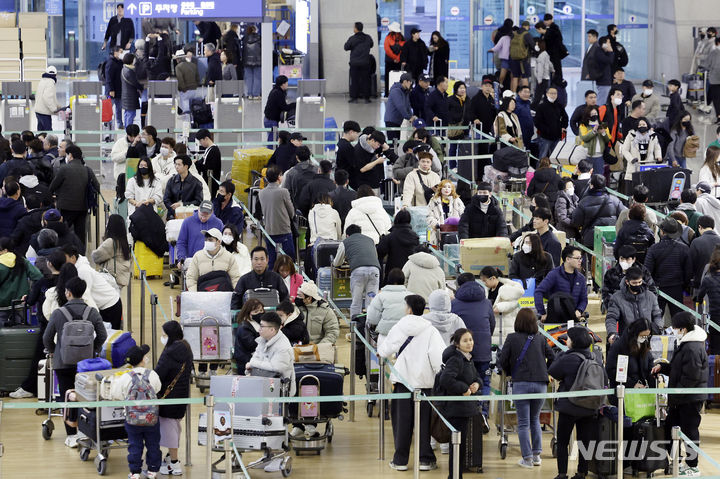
(369, 214)
(324, 220)
(506, 294)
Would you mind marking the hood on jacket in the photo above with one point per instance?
(412, 325)
(710, 200)
(510, 290)
(178, 351)
(8, 260)
(368, 204)
(323, 210)
(295, 315)
(696, 335)
(29, 181)
(7, 204)
(50, 77)
(439, 300)
(444, 322)
(686, 207)
(362, 141)
(449, 352)
(470, 292)
(627, 294)
(398, 86)
(424, 260)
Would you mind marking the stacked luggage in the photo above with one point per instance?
(244, 162)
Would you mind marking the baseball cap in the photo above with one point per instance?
(704, 186)
(297, 136)
(405, 77)
(424, 78)
(51, 70)
(205, 207)
(394, 27)
(671, 227)
(415, 30)
(136, 354)
(52, 215)
(488, 79)
(419, 123)
(214, 232)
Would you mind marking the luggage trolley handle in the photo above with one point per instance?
(215, 324)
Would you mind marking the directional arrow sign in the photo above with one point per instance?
(131, 9)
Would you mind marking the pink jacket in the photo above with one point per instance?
(295, 281)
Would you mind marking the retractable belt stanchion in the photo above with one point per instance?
(142, 306)
(675, 451)
(620, 429)
(153, 323)
(455, 444)
(188, 438)
(128, 308)
(210, 405)
(381, 409)
(353, 373)
(416, 433)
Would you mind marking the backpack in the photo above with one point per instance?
(140, 389)
(214, 281)
(591, 375)
(101, 71)
(200, 112)
(640, 242)
(561, 307)
(518, 48)
(91, 194)
(77, 337)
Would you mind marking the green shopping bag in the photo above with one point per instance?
(639, 406)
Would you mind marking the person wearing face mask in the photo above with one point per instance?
(635, 231)
(120, 149)
(565, 204)
(637, 111)
(320, 320)
(209, 164)
(682, 134)
(232, 242)
(225, 208)
(293, 323)
(652, 102)
(191, 238)
(635, 344)
(421, 184)
(627, 257)
(551, 121)
(247, 332)
(174, 368)
(208, 265)
(504, 293)
(531, 262)
(594, 136)
(630, 304)
(612, 113)
(444, 205)
(285, 267)
(483, 218)
(149, 145)
(688, 369)
(144, 188)
(641, 146)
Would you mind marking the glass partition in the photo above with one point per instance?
(634, 34)
(489, 16)
(389, 11)
(455, 28)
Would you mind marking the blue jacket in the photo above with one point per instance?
(417, 100)
(476, 312)
(10, 212)
(231, 214)
(191, 240)
(522, 110)
(558, 281)
(437, 105)
(397, 107)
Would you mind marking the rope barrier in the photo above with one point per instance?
(693, 446)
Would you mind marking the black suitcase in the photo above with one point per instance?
(270, 298)
(645, 433)
(331, 384)
(18, 343)
(474, 445)
(112, 426)
(324, 251)
(659, 182)
(606, 431)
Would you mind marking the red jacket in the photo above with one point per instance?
(392, 39)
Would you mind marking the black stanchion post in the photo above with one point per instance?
(142, 306)
(188, 432)
(153, 331)
(381, 409)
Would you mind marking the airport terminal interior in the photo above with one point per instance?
(665, 42)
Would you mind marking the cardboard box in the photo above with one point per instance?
(33, 20)
(10, 49)
(9, 34)
(476, 253)
(7, 20)
(34, 48)
(33, 34)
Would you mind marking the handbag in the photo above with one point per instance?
(639, 406)
(438, 429)
(171, 386)
(427, 191)
(457, 132)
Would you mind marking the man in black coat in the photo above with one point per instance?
(28, 224)
(209, 32)
(589, 67)
(277, 105)
(620, 54)
(320, 185)
(359, 46)
(615, 275)
(482, 109)
(231, 40)
(342, 196)
(214, 70)
(576, 117)
(113, 83)
(345, 154)
(669, 264)
(182, 189)
(551, 122)
(371, 152)
(702, 247)
(419, 95)
(437, 108)
(120, 31)
(554, 46)
(259, 277)
(483, 218)
(414, 55)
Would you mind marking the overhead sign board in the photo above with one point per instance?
(194, 9)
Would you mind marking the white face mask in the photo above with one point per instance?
(570, 191)
(188, 59)
(537, 48)
(526, 248)
(144, 140)
(227, 239)
(677, 333)
(551, 100)
(209, 245)
(163, 340)
(625, 265)
(647, 91)
(641, 339)
(164, 151)
(617, 101)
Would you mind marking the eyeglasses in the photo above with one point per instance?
(265, 326)
(578, 258)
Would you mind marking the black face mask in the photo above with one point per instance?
(636, 289)
(643, 129)
(143, 170)
(686, 124)
(299, 302)
(483, 198)
(256, 317)
(220, 198)
(532, 208)
(594, 118)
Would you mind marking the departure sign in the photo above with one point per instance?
(194, 9)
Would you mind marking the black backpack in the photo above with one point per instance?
(640, 242)
(101, 71)
(91, 194)
(511, 160)
(215, 281)
(200, 112)
(560, 308)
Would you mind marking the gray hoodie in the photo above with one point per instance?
(441, 317)
(423, 274)
(708, 205)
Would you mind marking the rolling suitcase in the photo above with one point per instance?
(606, 431)
(268, 297)
(474, 445)
(645, 433)
(331, 384)
(148, 261)
(17, 350)
(324, 251)
(714, 377)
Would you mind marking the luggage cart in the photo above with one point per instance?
(47, 425)
(372, 369)
(202, 379)
(104, 428)
(548, 419)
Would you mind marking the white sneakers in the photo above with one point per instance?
(170, 468)
(311, 430)
(445, 448)
(20, 393)
(297, 432)
(72, 441)
(526, 463)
